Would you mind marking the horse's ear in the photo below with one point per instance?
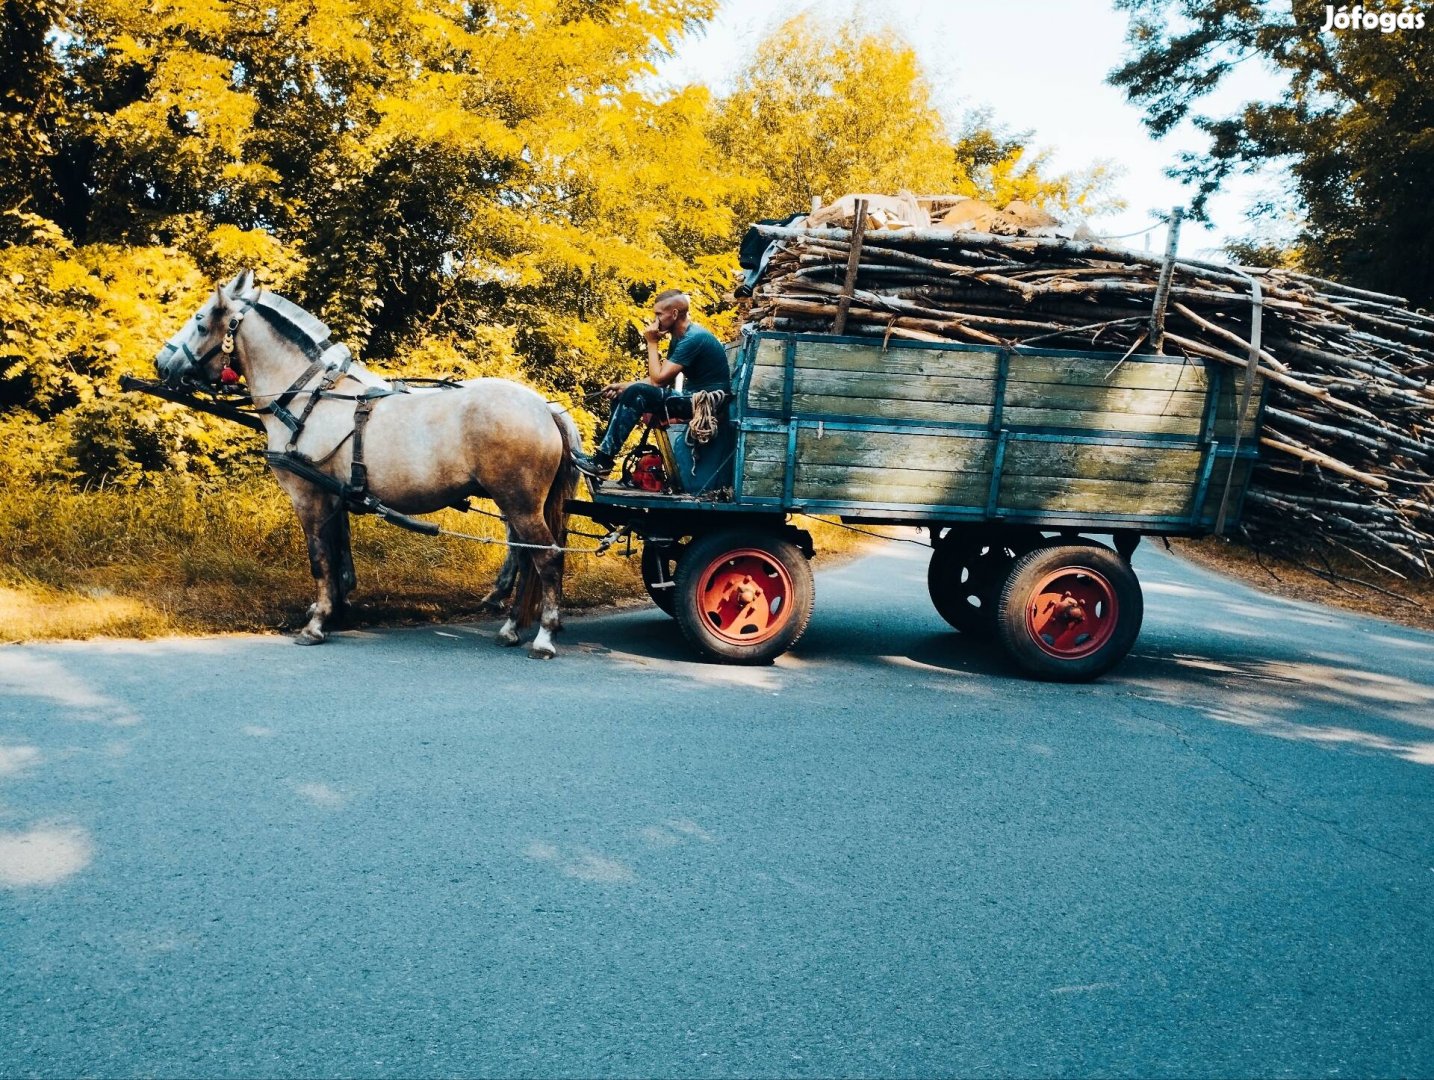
(242, 283)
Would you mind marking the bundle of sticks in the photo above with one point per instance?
(1347, 438)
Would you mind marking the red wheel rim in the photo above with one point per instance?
(745, 596)
(1072, 612)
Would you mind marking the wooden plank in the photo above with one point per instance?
(1053, 392)
(873, 409)
(1229, 405)
(1079, 495)
(1145, 464)
(770, 352)
(884, 450)
(1134, 373)
(757, 447)
(831, 356)
(1100, 400)
(1106, 423)
(765, 394)
(1216, 490)
(840, 483)
(766, 387)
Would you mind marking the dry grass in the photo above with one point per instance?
(175, 559)
(1412, 603)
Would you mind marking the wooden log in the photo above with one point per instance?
(1162, 291)
(1228, 336)
(1274, 376)
(1323, 460)
(853, 260)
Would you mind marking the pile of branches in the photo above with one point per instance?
(1347, 439)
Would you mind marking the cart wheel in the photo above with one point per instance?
(966, 572)
(1069, 612)
(743, 598)
(659, 574)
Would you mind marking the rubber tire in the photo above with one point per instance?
(1026, 574)
(983, 560)
(700, 556)
(652, 554)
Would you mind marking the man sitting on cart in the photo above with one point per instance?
(694, 351)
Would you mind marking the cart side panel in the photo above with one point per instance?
(861, 465)
(1142, 394)
(862, 381)
(1046, 474)
(972, 432)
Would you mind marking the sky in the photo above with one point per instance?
(1040, 66)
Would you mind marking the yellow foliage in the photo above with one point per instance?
(823, 110)
(455, 188)
(260, 251)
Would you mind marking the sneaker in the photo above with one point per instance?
(596, 467)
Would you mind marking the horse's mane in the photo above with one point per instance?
(295, 324)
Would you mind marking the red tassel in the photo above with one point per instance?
(228, 376)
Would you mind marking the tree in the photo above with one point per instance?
(30, 96)
(1353, 122)
(828, 109)
(997, 166)
(492, 186)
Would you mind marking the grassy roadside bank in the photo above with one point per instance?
(179, 558)
(1408, 601)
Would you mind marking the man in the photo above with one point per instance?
(694, 351)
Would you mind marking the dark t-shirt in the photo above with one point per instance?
(702, 359)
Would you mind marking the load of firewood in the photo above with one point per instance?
(1347, 438)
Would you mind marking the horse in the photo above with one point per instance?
(341, 437)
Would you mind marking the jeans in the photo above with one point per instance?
(639, 398)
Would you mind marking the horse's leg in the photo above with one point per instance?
(318, 513)
(544, 564)
(342, 558)
(502, 589)
(508, 632)
(549, 566)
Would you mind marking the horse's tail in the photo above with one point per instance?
(555, 513)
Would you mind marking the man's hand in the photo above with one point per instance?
(612, 389)
(653, 333)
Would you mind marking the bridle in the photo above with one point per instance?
(227, 374)
(197, 364)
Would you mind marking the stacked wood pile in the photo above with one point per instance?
(1347, 442)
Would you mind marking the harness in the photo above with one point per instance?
(354, 493)
(334, 360)
(331, 361)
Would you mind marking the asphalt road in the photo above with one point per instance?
(412, 853)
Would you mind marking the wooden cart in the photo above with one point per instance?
(1013, 458)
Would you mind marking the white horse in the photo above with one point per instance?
(415, 452)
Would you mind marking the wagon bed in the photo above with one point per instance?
(1003, 453)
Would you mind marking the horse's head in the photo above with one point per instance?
(204, 346)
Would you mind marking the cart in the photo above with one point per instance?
(1014, 459)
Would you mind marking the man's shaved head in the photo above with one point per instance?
(672, 299)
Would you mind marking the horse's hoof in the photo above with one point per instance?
(507, 640)
(541, 654)
(308, 637)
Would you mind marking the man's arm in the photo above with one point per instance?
(660, 372)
